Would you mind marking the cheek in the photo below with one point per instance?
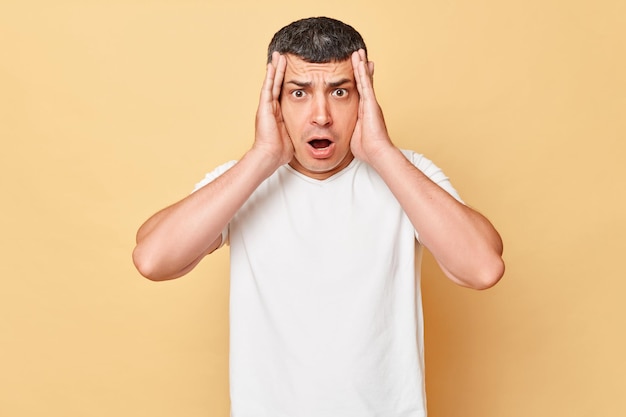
(350, 117)
(291, 115)
(289, 124)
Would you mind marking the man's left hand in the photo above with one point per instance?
(370, 135)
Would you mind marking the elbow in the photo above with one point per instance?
(489, 275)
(491, 268)
(146, 266)
(481, 276)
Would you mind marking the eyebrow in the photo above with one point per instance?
(332, 84)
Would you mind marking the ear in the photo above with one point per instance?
(370, 67)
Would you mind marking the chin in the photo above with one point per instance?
(320, 169)
(322, 165)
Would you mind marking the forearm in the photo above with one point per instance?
(173, 241)
(464, 243)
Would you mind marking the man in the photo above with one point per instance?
(323, 215)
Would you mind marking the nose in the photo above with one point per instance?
(321, 112)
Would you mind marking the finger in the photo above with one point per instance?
(268, 82)
(362, 55)
(356, 62)
(361, 64)
(369, 64)
(364, 82)
(279, 75)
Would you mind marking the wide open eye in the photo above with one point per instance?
(298, 93)
(340, 92)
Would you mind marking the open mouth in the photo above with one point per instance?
(320, 143)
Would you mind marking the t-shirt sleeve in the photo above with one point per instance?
(211, 176)
(433, 172)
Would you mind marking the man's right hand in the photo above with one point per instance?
(271, 136)
(173, 241)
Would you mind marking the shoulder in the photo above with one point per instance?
(216, 172)
(432, 171)
(421, 162)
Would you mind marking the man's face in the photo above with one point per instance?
(319, 103)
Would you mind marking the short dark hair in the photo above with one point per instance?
(317, 40)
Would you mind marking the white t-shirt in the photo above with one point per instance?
(325, 309)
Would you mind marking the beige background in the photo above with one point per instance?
(110, 110)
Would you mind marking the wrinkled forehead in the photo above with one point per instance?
(302, 70)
